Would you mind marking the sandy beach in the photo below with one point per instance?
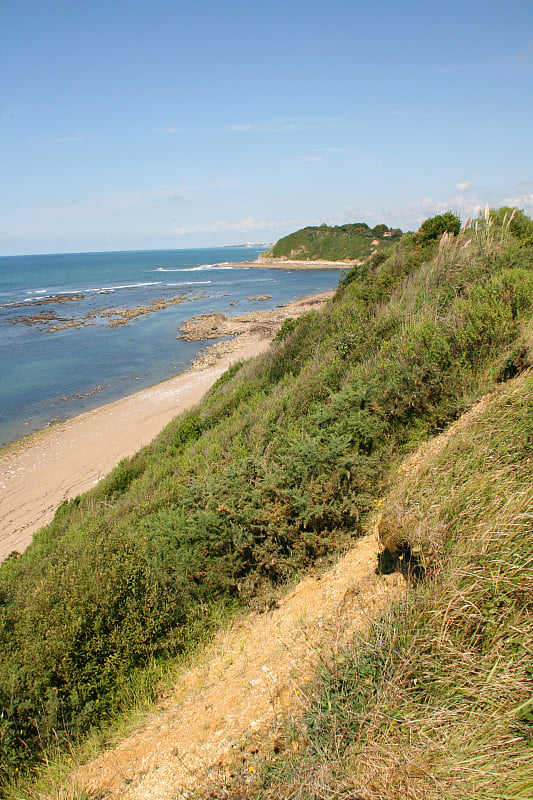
(39, 472)
(293, 264)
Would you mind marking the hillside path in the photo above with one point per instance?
(253, 676)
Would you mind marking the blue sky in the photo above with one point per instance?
(132, 125)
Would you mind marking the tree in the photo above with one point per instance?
(434, 227)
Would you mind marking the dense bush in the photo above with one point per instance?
(434, 227)
(520, 225)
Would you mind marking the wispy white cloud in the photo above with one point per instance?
(149, 196)
(451, 68)
(7, 114)
(470, 204)
(414, 213)
(68, 139)
(308, 161)
(287, 123)
(122, 198)
(499, 63)
(463, 186)
(524, 200)
(99, 211)
(277, 227)
(245, 225)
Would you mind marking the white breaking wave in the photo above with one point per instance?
(112, 288)
(197, 269)
(125, 286)
(33, 299)
(45, 294)
(188, 283)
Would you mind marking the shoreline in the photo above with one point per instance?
(287, 263)
(39, 471)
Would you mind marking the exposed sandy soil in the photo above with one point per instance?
(40, 471)
(254, 675)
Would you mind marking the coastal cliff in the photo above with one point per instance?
(282, 470)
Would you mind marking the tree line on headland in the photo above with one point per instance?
(352, 241)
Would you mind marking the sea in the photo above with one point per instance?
(72, 337)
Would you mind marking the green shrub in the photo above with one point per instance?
(434, 227)
(520, 225)
(486, 316)
(288, 326)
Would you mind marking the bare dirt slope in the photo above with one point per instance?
(255, 673)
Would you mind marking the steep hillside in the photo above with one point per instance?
(436, 703)
(348, 242)
(274, 472)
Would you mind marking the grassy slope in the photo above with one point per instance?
(438, 701)
(276, 468)
(350, 241)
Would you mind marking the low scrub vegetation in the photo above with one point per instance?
(275, 469)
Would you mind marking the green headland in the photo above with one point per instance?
(348, 242)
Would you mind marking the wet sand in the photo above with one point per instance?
(39, 472)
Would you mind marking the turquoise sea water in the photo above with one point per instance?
(48, 376)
